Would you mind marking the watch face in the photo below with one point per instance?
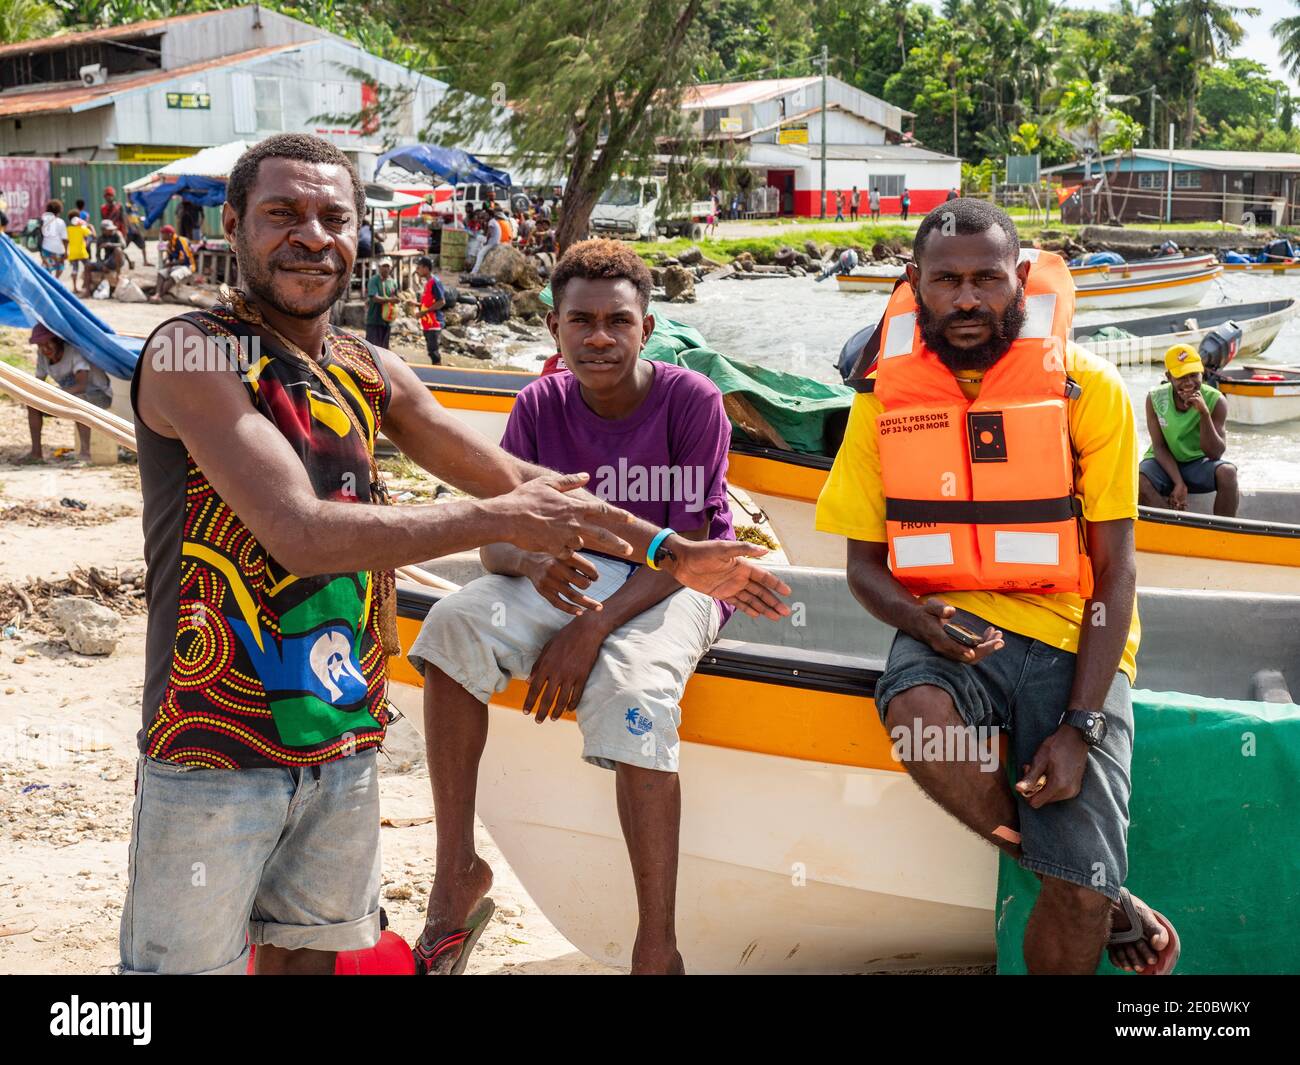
(1096, 731)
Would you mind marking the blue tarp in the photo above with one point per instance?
(206, 192)
(29, 295)
(450, 164)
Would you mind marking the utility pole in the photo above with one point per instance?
(1151, 125)
(822, 194)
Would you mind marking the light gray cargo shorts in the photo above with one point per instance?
(493, 629)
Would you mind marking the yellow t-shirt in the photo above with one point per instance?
(77, 233)
(1104, 436)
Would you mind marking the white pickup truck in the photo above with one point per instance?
(635, 208)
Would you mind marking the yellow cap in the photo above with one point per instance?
(1182, 359)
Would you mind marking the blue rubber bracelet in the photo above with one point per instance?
(653, 549)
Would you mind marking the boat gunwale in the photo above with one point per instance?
(742, 661)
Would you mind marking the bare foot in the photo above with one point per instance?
(1141, 955)
(453, 897)
(657, 962)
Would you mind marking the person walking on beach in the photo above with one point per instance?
(80, 236)
(433, 299)
(990, 619)
(873, 201)
(613, 640)
(54, 238)
(271, 596)
(1186, 421)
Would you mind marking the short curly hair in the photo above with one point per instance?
(302, 147)
(596, 259)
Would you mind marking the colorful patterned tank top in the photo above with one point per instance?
(246, 664)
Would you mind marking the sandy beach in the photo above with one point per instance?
(67, 738)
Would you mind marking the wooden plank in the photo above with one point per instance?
(743, 413)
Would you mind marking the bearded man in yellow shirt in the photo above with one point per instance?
(1050, 668)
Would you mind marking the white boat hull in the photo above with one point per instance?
(786, 866)
(1149, 294)
(1265, 410)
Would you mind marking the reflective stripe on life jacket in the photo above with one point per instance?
(979, 494)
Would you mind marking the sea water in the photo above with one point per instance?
(796, 325)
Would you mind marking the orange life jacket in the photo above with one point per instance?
(506, 229)
(979, 494)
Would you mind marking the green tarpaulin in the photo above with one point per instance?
(1214, 835)
(796, 407)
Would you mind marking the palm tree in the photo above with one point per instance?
(24, 20)
(1286, 31)
(1085, 107)
(1210, 29)
(1123, 138)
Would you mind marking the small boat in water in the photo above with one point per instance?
(805, 847)
(882, 278)
(1257, 551)
(1185, 290)
(1288, 266)
(1150, 337)
(1148, 269)
(1260, 394)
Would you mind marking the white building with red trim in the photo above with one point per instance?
(866, 144)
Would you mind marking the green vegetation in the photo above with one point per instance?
(725, 249)
(593, 89)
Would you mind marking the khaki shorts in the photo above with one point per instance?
(494, 628)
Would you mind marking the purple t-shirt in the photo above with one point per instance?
(666, 462)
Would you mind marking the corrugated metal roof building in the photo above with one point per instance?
(1187, 185)
(776, 122)
(160, 90)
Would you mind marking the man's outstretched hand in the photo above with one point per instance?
(724, 569)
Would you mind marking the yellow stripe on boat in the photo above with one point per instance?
(745, 715)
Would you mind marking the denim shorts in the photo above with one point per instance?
(1023, 689)
(224, 857)
(1198, 475)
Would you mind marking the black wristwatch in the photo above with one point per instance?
(1092, 723)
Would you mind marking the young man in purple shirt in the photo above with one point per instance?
(612, 640)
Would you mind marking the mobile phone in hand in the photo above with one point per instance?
(962, 634)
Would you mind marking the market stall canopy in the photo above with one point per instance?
(206, 192)
(381, 198)
(452, 164)
(29, 295)
(215, 162)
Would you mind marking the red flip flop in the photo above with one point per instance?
(450, 955)
(1167, 958)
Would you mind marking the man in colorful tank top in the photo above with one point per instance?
(1034, 664)
(1185, 420)
(265, 697)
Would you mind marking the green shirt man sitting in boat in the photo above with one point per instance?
(1185, 419)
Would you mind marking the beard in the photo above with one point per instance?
(1003, 330)
(257, 277)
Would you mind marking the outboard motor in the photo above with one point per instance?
(852, 352)
(857, 359)
(1220, 347)
(1279, 250)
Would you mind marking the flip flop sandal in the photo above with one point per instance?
(450, 955)
(1165, 959)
